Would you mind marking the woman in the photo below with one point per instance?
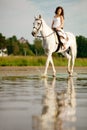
(58, 23)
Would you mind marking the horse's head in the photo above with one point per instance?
(37, 25)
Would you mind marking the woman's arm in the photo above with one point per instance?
(62, 21)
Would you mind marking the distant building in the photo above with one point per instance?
(22, 40)
(3, 52)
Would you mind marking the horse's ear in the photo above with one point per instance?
(40, 16)
(34, 17)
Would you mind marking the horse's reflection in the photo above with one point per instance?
(58, 107)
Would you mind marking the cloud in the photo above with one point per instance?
(16, 16)
(76, 17)
(75, 14)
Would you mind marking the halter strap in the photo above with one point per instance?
(46, 36)
(39, 26)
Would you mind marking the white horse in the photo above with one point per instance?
(50, 44)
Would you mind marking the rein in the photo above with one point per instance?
(39, 26)
(45, 36)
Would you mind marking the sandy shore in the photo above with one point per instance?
(28, 70)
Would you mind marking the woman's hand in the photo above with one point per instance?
(58, 28)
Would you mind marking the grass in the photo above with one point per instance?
(22, 61)
(37, 61)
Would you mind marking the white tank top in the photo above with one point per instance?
(57, 22)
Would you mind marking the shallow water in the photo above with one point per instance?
(33, 103)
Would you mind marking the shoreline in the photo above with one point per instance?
(35, 70)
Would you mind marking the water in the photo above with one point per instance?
(33, 103)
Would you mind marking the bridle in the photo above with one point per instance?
(39, 28)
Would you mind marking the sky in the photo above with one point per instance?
(17, 16)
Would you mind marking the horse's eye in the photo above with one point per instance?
(38, 23)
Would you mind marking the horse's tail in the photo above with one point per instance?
(75, 48)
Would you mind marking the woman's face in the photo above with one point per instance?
(59, 11)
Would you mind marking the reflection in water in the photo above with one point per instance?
(58, 108)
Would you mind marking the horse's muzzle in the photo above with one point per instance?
(33, 33)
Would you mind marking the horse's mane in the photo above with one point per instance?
(47, 27)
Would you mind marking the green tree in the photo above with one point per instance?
(2, 41)
(25, 49)
(38, 49)
(81, 46)
(14, 47)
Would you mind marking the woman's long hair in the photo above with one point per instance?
(59, 7)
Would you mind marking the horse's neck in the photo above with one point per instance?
(46, 30)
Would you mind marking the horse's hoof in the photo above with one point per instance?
(54, 75)
(44, 76)
(70, 74)
(68, 71)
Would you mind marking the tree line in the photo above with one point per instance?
(23, 47)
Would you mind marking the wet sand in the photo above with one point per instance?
(28, 70)
(31, 103)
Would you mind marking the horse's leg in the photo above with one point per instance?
(69, 60)
(72, 62)
(47, 64)
(51, 61)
